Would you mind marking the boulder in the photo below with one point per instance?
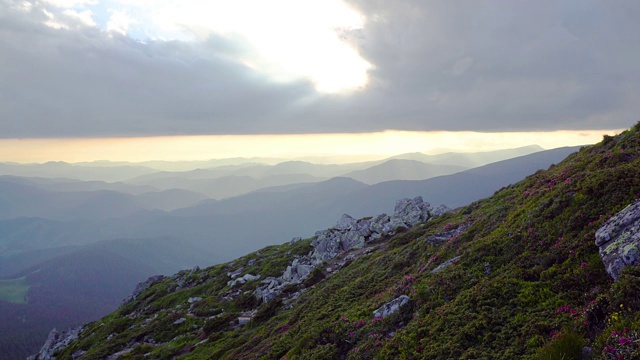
(618, 240)
(391, 307)
(412, 211)
(346, 222)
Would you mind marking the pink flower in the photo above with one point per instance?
(625, 341)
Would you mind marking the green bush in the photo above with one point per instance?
(566, 346)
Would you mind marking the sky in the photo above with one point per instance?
(118, 71)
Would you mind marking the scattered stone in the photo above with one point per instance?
(76, 355)
(249, 277)
(445, 264)
(234, 274)
(391, 307)
(179, 321)
(448, 234)
(194, 299)
(619, 240)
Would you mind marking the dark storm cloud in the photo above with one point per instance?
(437, 65)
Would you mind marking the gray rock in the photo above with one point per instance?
(194, 299)
(235, 273)
(77, 355)
(412, 211)
(618, 240)
(448, 234)
(391, 307)
(179, 321)
(442, 209)
(346, 222)
(56, 341)
(250, 277)
(445, 264)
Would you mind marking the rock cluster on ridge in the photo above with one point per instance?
(55, 342)
(348, 234)
(619, 240)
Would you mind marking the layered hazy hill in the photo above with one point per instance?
(159, 217)
(516, 274)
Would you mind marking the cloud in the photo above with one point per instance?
(434, 65)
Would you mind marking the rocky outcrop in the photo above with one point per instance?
(391, 307)
(445, 264)
(619, 240)
(348, 234)
(243, 279)
(56, 341)
(141, 287)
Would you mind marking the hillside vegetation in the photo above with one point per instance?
(526, 281)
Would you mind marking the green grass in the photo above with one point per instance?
(14, 290)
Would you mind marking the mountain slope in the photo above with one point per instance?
(516, 275)
(71, 285)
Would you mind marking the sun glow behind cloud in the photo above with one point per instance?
(349, 147)
(287, 40)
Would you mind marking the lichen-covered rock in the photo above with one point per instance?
(56, 341)
(391, 307)
(619, 240)
(297, 271)
(445, 264)
(346, 222)
(412, 211)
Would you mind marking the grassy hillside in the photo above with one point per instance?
(528, 283)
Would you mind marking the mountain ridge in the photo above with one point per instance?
(514, 275)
